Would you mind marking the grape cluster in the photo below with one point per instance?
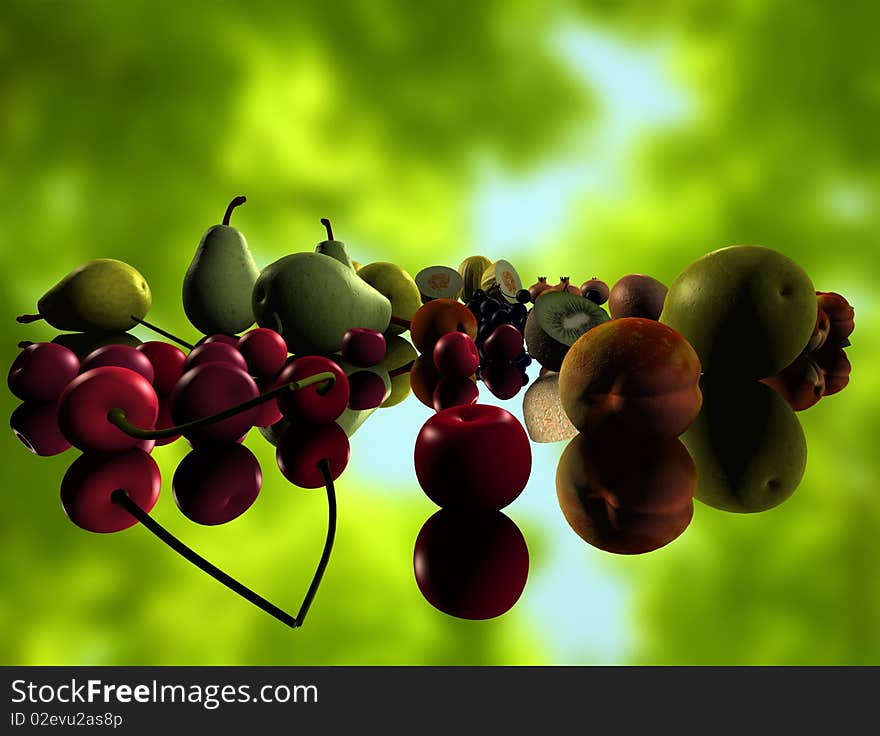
(503, 357)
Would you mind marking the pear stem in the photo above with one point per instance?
(159, 330)
(26, 319)
(232, 205)
(117, 416)
(400, 321)
(326, 223)
(121, 498)
(403, 369)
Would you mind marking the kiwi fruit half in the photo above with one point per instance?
(543, 348)
(439, 282)
(566, 316)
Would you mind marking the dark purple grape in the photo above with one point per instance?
(41, 371)
(525, 378)
(489, 307)
(214, 485)
(523, 296)
(479, 295)
(519, 310)
(123, 356)
(523, 361)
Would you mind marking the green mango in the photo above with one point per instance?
(219, 282)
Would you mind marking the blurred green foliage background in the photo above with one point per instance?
(582, 138)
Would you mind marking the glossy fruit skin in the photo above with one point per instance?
(471, 565)
(363, 347)
(35, 423)
(264, 351)
(424, 379)
(214, 485)
(41, 371)
(456, 355)
(505, 343)
(85, 403)
(268, 413)
(801, 384)
(835, 367)
(303, 445)
(164, 420)
(637, 295)
(504, 380)
(123, 356)
(455, 392)
(367, 390)
(307, 404)
(91, 479)
(820, 331)
(840, 314)
(209, 389)
(221, 337)
(167, 361)
(473, 456)
(214, 352)
(631, 375)
(595, 290)
(437, 318)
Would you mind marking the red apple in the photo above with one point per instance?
(473, 456)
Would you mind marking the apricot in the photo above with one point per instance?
(801, 384)
(748, 446)
(627, 494)
(438, 317)
(632, 375)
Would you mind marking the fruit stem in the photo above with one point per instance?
(232, 205)
(326, 223)
(324, 466)
(121, 498)
(26, 319)
(403, 369)
(159, 330)
(400, 321)
(117, 416)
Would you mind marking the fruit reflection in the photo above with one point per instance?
(626, 493)
(748, 446)
(471, 565)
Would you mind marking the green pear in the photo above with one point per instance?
(332, 247)
(398, 286)
(103, 295)
(312, 299)
(748, 446)
(219, 282)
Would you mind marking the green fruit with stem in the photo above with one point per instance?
(220, 280)
(103, 295)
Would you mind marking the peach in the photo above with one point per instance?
(632, 375)
(627, 494)
(438, 317)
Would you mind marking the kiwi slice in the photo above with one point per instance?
(566, 316)
(439, 282)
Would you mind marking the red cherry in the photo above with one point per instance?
(302, 446)
(268, 413)
(367, 390)
(208, 389)
(472, 565)
(264, 351)
(88, 398)
(41, 371)
(91, 480)
(123, 356)
(504, 344)
(455, 392)
(164, 420)
(214, 352)
(216, 484)
(456, 355)
(363, 347)
(473, 456)
(231, 340)
(167, 361)
(35, 423)
(309, 404)
(504, 380)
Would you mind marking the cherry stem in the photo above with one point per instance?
(232, 205)
(159, 330)
(26, 319)
(403, 369)
(117, 416)
(121, 498)
(400, 321)
(326, 223)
